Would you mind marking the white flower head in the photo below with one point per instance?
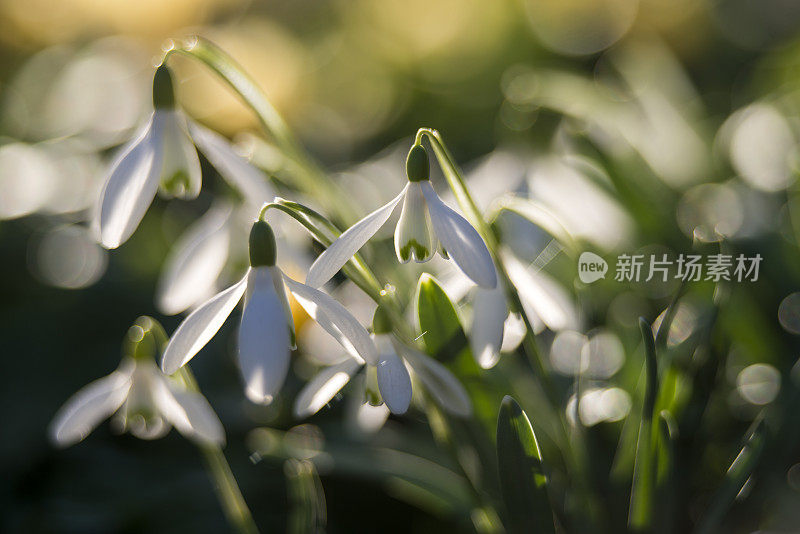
(390, 369)
(161, 157)
(146, 402)
(425, 223)
(266, 332)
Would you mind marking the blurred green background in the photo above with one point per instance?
(654, 78)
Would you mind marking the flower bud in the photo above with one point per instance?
(381, 322)
(262, 245)
(417, 165)
(163, 91)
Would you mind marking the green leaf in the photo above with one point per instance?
(735, 479)
(640, 515)
(522, 479)
(307, 509)
(441, 330)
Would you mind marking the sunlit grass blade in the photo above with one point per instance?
(311, 178)
(640, 514)
(308, 512)
(522, 479)
(735, 480)
(666, 478)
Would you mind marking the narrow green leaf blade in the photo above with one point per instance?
(735, 479)
(640, 514)
(522, 479)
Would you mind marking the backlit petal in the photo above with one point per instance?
(200, 326)
(88, 407)
(263, 339)
(244, 177)
(394, 383)
(195, 262)
(438, 381)
(489, 311)
(323, 387)
(336, 320)
(541, 296)
(461, 241)
(131, 185)
(189, 412)
(335, 256)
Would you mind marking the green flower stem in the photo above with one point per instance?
(311, 179)
(356, 269)
(227, 489)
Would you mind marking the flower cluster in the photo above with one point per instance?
(149, 400)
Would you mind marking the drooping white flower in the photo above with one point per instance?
(425, 222)
(146, 402)
(266, 332)
(391, 368)
(161, 156)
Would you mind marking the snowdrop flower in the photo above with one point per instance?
(266, 332)
(425, 221)
(161, 157)
(389, 370)
(147, 403)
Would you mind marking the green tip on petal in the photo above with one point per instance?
(381, 321)
(262, 245)
(418, 168)
(163, 90)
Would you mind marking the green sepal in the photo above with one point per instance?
(163, 90)
(418, 167)
(263, 250)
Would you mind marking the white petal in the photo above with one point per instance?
(195, 262)
(323, 387)
(394, 383)
(200, 326)
(130, 188)
(263, 339)
(336, 320)
(179, 156)
(362, 418)
(513, 332)
(413, 236)
(280, 290)
(461, 241)
(439, 382)
(489, 311)
(189, 412)
(88, 407)
(542, 296)
(243, 176)
(335, 256)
